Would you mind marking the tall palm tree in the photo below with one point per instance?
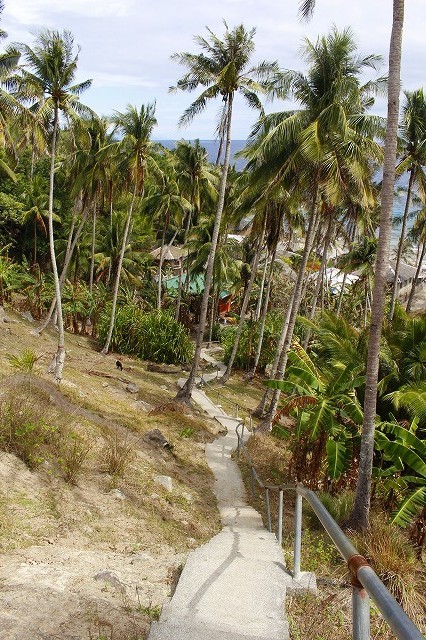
(413, 135)
(46, 83)
(222, 70)
(134, 148)
(322, 150)
(359, 516)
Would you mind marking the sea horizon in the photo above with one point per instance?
(212, 148)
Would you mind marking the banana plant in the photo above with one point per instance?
(327, 413)
(404, 476)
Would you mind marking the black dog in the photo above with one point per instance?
(119, 365)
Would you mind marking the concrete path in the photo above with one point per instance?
(233, 587)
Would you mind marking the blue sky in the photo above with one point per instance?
(126, 45)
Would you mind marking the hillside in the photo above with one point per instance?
(97, 555)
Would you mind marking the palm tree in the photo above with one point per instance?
(170, 207)
(134, 148)
(222, 69)
(359, 516)
(413, 134)
(322, 150)
(46, 83)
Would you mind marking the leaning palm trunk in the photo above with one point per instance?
(57, 364)
(160, 269)
(358, 519)
(257, 313)
(401, 244)
(118, 274)
(182, 262)
(185, 392)
(71, 244)
(320, 279)
(416, 279)
(296, 295)
(92, 256)
(252, 372)
(244, 306)
(295, 306)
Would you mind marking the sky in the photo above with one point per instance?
(126, 46)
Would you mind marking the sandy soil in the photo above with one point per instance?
(97, 559)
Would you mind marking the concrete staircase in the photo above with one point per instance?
(234, 586)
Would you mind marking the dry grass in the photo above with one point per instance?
(393, 559)
(328, 614)
(98, 427)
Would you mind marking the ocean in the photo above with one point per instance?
(212, 147)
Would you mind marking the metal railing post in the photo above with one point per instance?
(297, 536)
(280, 517)
(360, 614)
(237, 406)
(252, 481)
(268, 509)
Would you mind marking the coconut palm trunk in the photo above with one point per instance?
(92, 253)
(401, 244)
(258, 311)
(164, 249)
(71, 244)
(295, 306)
(118, 274)
(58, 360)
(264, 312)
(244, 305)
(359, 518)
(184, 394)
(416, 278)
(320, 278)
(296, 299)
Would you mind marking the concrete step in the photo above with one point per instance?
(200, 631)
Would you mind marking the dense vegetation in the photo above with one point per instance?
(85, 200)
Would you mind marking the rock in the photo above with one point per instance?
(187, 497)
(132, 388)
(111, 578)
(163, 387)
(105, 384)
(154, 436)
(143, 406)
(3, 316)
(116, 493)
(27, 316)
(165, 481)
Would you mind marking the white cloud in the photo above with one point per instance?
(121, 80)
(43, 11)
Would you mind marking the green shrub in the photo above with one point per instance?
(393, 559)
(23, 430)
(338, 506)
(154, 336)
(73, 450)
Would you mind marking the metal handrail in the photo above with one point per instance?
(365, 582)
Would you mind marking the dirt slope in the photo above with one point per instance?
(96, 559)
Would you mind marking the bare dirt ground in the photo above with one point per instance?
(97, 559)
